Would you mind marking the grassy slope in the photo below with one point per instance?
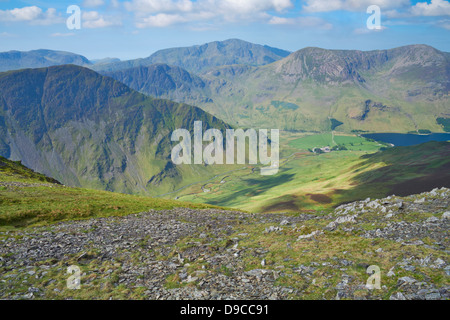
(320, 182)
(28, 198)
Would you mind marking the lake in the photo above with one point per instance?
(407, 139)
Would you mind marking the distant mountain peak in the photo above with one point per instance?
(203, 58)
(41, 58)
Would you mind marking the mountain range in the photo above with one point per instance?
(106, 124)
(306, 89)
(202, 58)
(402, 89)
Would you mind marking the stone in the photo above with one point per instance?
(432, 220)
(397, 296)
(273, 229)
(413, 243)
(345, 219)
(301, 237)
(419, 201)
(390, 273)
(331, 226)
(435, 295)
(447, 270)
(143, 251)
(439, 263)
(406, 280)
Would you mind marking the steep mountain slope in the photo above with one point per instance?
(12, 171)
(164, 81)
(349, 65)
(202, 58)
(14, 60)
(87, 130)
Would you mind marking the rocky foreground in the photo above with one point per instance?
(214, 254)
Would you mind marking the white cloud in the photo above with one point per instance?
(351, 5)
(21, 14)
(249, 6)
(33, 15)
(93, 3)
(422, 9)
(307, 22)
(93, 20)
(115, 4)
(435, 8)
(220, 6)
(58, 34)
(150, 13)
(160, 20)
(281, 20)
(158, 6)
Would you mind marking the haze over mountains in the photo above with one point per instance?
(14, 60)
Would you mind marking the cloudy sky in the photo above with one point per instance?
(136, 28)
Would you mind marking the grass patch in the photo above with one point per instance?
(21, 207)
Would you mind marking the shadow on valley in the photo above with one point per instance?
(405, 171)
(255, 187)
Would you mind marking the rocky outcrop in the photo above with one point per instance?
(215, 254)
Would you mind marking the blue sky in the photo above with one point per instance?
(137, 28)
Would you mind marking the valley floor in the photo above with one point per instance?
(217, 254)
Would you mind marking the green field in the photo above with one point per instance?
(351, 142)
(292, 189)
(306, 181)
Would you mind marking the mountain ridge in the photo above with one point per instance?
(15, 60)
(199, 58)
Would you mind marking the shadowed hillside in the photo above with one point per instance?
(87, 130)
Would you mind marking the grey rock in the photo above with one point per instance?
(397, 296)
(406, 280)
(435, 295)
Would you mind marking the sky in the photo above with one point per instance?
(137, 28)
